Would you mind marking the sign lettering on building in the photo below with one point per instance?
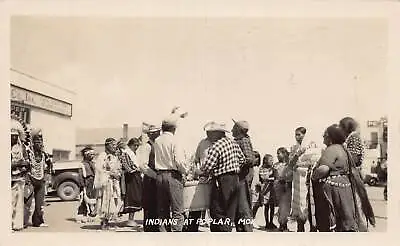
(38, 100)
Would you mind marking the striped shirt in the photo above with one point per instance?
(222, 157)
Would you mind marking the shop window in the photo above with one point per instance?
(22, 112)
(61, 155)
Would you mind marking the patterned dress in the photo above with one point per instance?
(131, 182)
(355, 147)
(335, 209)
(308, 159)
(88, 194)
(107, 183)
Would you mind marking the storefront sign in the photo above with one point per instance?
(38, 100)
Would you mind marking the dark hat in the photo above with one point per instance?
(86, 149)
(36, 134)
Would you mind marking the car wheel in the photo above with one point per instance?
(68, 191)
(372, 182)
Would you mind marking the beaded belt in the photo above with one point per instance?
(329, 181)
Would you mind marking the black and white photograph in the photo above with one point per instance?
(191, 124)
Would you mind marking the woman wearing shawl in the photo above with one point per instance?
(335, 206)
(131, 181)
(303, 156)
(353, 144)
(88, 193)
(107, 184)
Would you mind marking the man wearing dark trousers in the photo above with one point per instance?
(149, 180)
(223, 161)
(40, 165)
(201, 151)
(170, 165)
(239, 132)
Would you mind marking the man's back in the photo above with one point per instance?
(224, 156)
(201, 150)
(168, 156)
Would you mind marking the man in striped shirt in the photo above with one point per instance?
(223, 161)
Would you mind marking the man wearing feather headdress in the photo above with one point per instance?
(19, 168)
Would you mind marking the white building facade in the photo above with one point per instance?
(48, 107)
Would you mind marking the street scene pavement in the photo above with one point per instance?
(60, 216)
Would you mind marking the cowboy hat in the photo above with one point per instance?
(242, 124)
(214, 127)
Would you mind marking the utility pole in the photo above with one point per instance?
(125, 132)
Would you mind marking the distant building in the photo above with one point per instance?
(47, 106)
(96, 137)
(375, 134)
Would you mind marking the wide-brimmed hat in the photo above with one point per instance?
(171, 120)
(242, 124)
(176, 114)
(215, 127)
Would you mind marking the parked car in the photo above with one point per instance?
(378, 174)
(65, 180)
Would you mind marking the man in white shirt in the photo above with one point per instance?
(170, 165)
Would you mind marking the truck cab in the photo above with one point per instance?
(65, 179)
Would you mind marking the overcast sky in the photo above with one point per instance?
(277, 74)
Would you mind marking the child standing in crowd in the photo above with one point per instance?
(266, 191)
(283, 185)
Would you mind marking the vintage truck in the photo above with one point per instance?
(65, 180)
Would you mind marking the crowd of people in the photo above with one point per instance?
(321, 186)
